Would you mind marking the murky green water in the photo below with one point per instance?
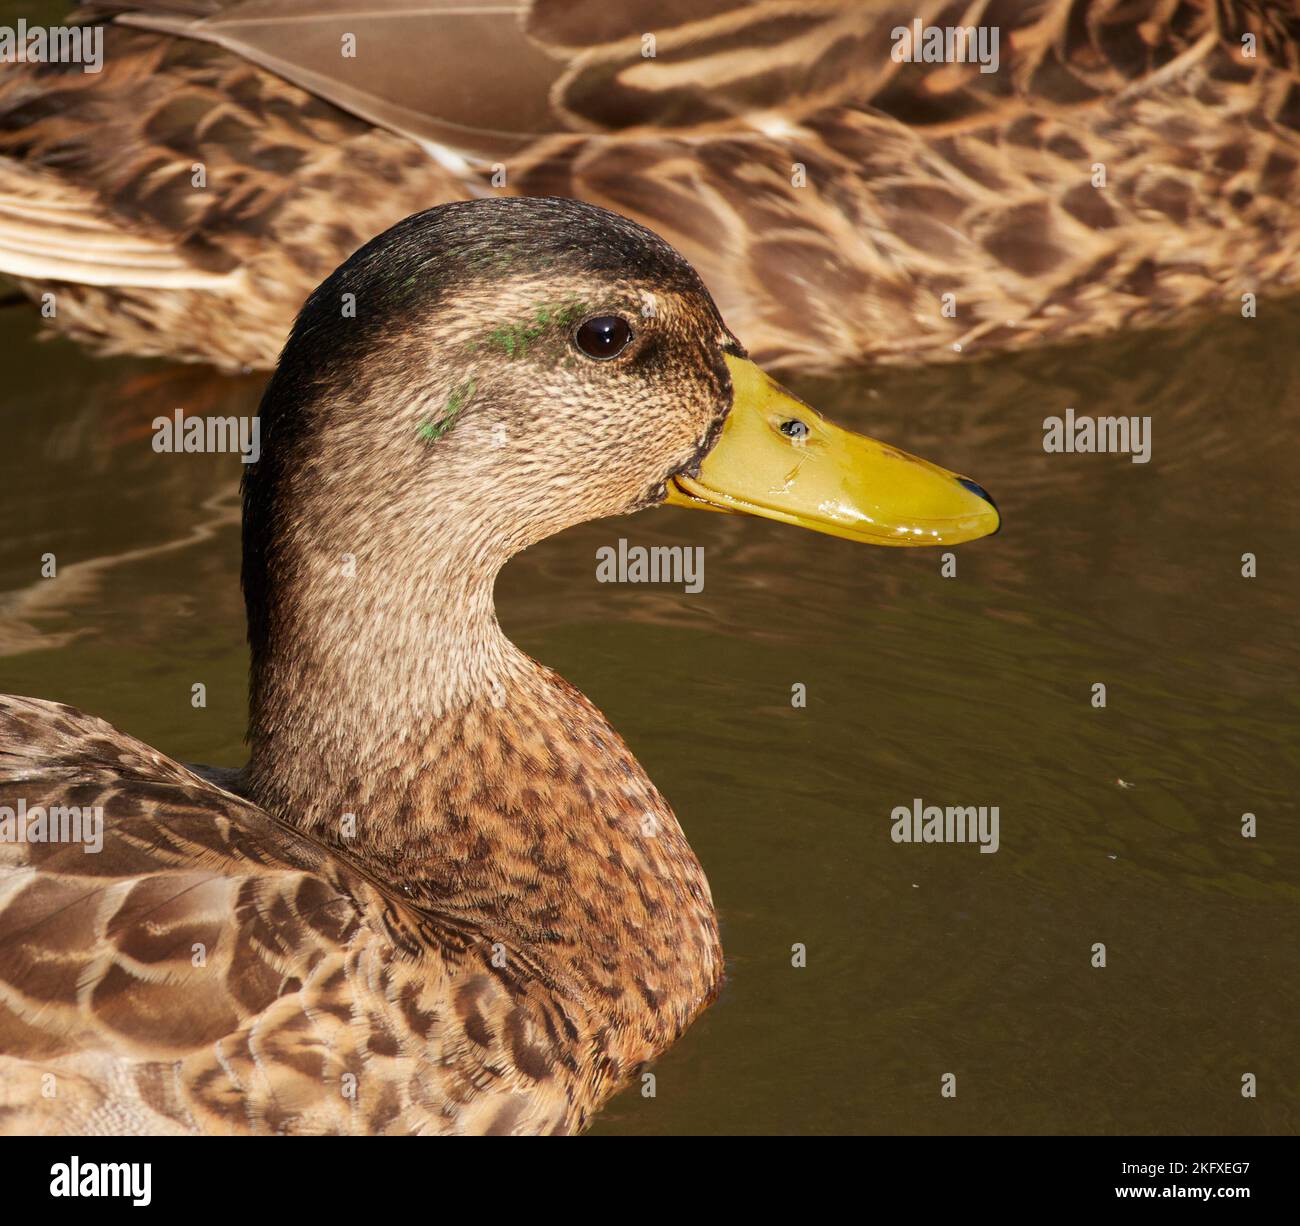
(922, 960)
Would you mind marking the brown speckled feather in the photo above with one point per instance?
(291, 185)
(921, 180)
(212, 970)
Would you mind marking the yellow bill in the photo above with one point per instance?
(779, 459)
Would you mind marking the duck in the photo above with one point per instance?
(1127, 161)
(442, 896)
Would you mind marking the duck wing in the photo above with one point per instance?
(487, 78)
(182, 202)
(457, 74)
(201, 967)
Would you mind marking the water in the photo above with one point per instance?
(922, 960)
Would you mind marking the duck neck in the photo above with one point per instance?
(399, 724)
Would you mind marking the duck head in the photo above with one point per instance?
(505, 368)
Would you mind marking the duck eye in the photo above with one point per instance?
(605, 336)
(795, 429)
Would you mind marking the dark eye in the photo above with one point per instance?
(606, 336)
(795, 429)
